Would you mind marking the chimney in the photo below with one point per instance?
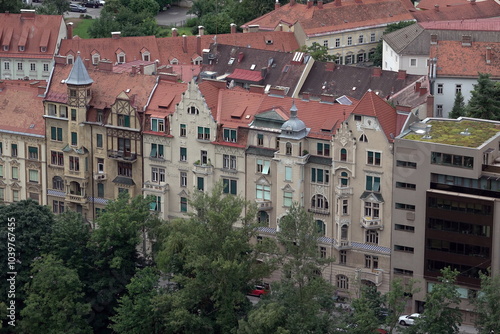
(168, 77)
(417, 86)
(430, 106)
(280, 27)
(233, 28)
(327, 98)
(60, 59)
(277, 4)
(41, 90)
(276, 91)
(116, 34)
(338, 3)
(201, 30)
(184, 44)
(69, 30)
(309, 3)
(377, 72)
(27, 14)
(401, 75)
(472, 2)
(174, 32)
(292, 2)
(256, 89)
(423, 90)
(241, 55)
(141, 68)
(263, 72)
(320, 4)
(105, 65)
(306, 96)
(198, 45)
(134, 70)
(488, 55)
(436, 7)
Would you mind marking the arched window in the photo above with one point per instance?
(363, 138)
(342, 282)
(344, 179)
(263, 218)
(288, 149)
(343, 154)
(344, 232)
(319, 202)
(57, 183)
(75, 188)
(193, 110)
(321, 227)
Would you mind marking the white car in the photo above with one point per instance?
(405, 320)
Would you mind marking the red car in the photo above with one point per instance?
(258, 291)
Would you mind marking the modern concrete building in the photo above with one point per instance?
(446, 208)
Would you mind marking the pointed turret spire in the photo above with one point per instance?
(79, 75)
(293, 110)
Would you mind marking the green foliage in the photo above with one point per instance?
(54, 302)
(53, 7)
(458, 106)
(486, 304)
(81, 28)
(216, 23)
(136, 313)
(212, 261)
(366, 310)
(33, 223)
(302, 299)
(396, 300)
(485, 99)
(377, 56)
(318, 52)
(150, 7)
(11, 6)
(441, 313)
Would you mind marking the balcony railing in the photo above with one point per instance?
(100, 176)
(320, 211)
(203, 169)
(343, 191)
(156, 186)
(76, 198)
(372, 223)
(376, 275)
(342, 244)
(263, 205)
(123, 156)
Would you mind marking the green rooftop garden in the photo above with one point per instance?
(449, 132)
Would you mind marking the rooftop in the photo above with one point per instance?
(452, 132)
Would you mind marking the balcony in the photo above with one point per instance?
(203, 169)
(342, 244)
(372, 223)
(122, 156)
(376, 275)
(320, 211)
(343, 191)
(79, 199)
(100, 176)
(263, 205)
(156, 187)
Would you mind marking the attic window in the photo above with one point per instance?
(269, 41)
(286, 68)
(96, 58)
(69, 59)
(43, 49)
(252, 67)
(357, 117)
(121, 58)
(466, 40)
(231, 61)
(146, 56)
(6, 48)
(21, 47)
(434, 39)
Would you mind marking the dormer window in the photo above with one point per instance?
(70, 59)
(95, 59)
(157, 125)
(230, 135)
(43, 49)
(21, 48)
(121, 58)
(146, 56)
(6, 48)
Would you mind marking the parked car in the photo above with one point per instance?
(259, 290)
(91, 3)
(73, 7)
(407, 320)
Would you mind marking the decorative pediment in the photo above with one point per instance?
(14, 163)
(15, 186)
(288, 188)
(183, 193)
(123, 96)
(2, 184)
(368, 196)
(263, 181)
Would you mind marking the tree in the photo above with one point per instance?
(11, 6)
(396, 300)
(458, 107)
(24, 225)
(302, 298)
(486, 304)
(377, 55)
(441, 313)
(53, 7)
(54, 302)
(115, 243)
(151, 7)
(366, 310)
(318, 52)
(136, 313)
(213, 262)
(485, 99)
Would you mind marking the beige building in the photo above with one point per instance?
(22, 142)
(446, 204)
(94, 136)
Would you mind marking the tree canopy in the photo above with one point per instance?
(486, 304)
(485, 99)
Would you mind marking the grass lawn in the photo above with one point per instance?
(80, 27)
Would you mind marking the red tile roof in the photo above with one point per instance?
(31, 31)
(478, 10)
(488, 24)
(330, 18)
(373, 105)
(20, 107)
(105, 88)
(246, 75)
(466, 61)
(429, 4)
